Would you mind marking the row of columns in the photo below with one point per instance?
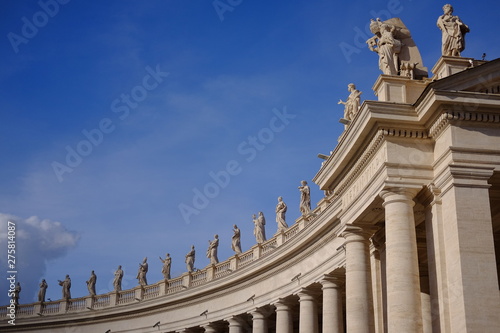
(402, 294)
(308, 307)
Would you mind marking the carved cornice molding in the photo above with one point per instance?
(448, 116)
(373, 148)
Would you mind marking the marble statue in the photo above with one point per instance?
(259, 229)
(386, 45)
(43, 289)
(280, 215)
(212, 250)
(66, 287)
(352, 103)
(235, 240)
(305, 198)
(91, 283)
(165, 270)
(17, 291)
(141, 273)
(117, 281)
(394, 45)
(453, 32)
(190, 259)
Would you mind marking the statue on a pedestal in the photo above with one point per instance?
(66, 288)
(280, 215)
(259, 229)
(212, 250)
(190, 259)
(117, 281)
(235, 240)
(91, 283)
(165, 270)
(305, 198)
(43, 289)
(141, 273)
(352, 103)
(453, 30)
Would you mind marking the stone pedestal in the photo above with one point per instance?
(447, 66)
(398, 89)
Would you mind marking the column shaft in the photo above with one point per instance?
(404, 310)
(308, 319)
(333, 318)
(358, 285)
(284, 320)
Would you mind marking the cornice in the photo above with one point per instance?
(452, 115)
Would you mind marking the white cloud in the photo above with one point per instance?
(37, 241)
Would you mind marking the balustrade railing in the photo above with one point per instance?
(171, 286)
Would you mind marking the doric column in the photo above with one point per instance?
(235, 325)
(284, 322)
(358, 285)
(259, 321)
(333, 318)
(308, 318)
(404, 310)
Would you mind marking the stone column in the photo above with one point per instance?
(259, 321)
(308, 318)
(235, 325)
(284, 323)
(404, 309)
(333, 318)
(358, 285)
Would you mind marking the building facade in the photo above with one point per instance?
(406, 238)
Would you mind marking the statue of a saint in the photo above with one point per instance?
(352, 102)
(117, 281)
(212, 250)
(259, 229)
(280, 215)
(17, 291)
(305, 198)
(43, 289)
(386, 45)
(91, 283)
(66, 288)
(190, 259)
(167, 262)
(141, 273)
(453, 32)
(235, 240)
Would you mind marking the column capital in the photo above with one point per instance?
(331, 281)
(307, 295)
(354, 233)
(259, 313)
(399, 194)
(235, 321)
(282, 304)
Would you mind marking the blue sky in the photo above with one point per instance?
(158, 98)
